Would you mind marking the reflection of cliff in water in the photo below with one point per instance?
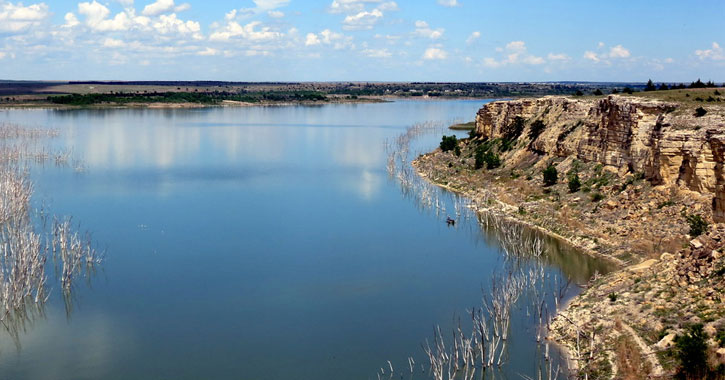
(519, 241)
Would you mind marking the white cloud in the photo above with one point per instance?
(377, 53)
(615, 52)
(592, 56)
(267, 5)
(473, 37)
(618, 52)
(158, 7)
(715, 53)
(249, 32)
(350, 6)
(362, 20)
(171, 24)
(71, 20)
(208, 52)
(423, 29)
(515, 52)
(327, 37)
(435, 53)
(113, 43)
(16, 18)
(558, 57)
(312, 40)
(449, 3)
(275, 14)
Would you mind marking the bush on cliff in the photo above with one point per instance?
(574, 183)
(449, 143)
(700, 112)
(550, 175)
(691, 351)
(698, 225)
(485, 156)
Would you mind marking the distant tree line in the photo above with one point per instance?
(185, 97)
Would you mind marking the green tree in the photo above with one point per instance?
(650, 86)
(598, 92)
(448, 143)
(691, 351)
(574, 183)
(698, 225)
(550, 175)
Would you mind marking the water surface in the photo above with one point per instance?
(252, 243)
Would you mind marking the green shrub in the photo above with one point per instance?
(598, 92)
(550, 175)
(698, 225)
(700, 112)
(492, 160)
(574, 183)
(448, 143)
(596, 197)
(479, 157)
(691, 352)
(612, 297)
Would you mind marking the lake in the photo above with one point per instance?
(254, 243)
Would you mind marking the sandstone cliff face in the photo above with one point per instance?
(670, 148)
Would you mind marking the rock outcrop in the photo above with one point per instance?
(666, 144)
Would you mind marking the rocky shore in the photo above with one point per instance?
(636, 181)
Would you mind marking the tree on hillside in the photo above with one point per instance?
(664, 87)
(697, 84)
(650, 86)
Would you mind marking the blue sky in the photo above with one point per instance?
(363, 40)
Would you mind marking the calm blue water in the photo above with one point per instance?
(251, 243)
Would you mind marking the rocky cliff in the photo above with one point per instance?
(663, 141)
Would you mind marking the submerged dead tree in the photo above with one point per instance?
(522, 288)
(25, 245)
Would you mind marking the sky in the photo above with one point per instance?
(363, 40)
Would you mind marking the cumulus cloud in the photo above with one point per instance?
(327, 37)
(715, 53)
(449, 3)
(312, 40)
(350, 6)
(435, 53)
(422, 29)
(362, 20)
(558, 57)
(158, 7)
(615, 52)
(208, 52)
(16, 18)
(171, 24)
(275, 14)
(618, 52)
(592, 56)
(515, 52)
(473, 37)
(377, 53)
(253, 31)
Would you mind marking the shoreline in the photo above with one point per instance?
(507, 211)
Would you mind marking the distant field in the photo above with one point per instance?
(688, 97)
(463, 126)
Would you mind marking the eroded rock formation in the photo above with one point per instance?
(667, 144)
